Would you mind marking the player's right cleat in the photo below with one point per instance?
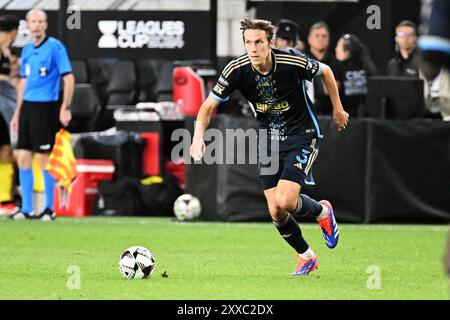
(305, 267)
(47, 215)
(330, 229)
(22, 216)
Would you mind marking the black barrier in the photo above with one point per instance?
(227, 192)
(374, 171)
(340, 169)
(409, 171)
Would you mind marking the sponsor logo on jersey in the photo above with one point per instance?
(280, 106)
(218, 88)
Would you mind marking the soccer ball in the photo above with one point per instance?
(136, 263)
(187, 207)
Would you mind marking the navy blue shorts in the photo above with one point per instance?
(296, 156)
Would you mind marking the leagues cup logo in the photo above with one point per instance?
(108, 28)
(138, 34)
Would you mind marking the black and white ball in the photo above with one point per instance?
(136, 263)
(187, 207)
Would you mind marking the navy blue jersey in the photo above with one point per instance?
(43, 66)
(279, 98)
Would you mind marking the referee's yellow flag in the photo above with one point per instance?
(62, 162)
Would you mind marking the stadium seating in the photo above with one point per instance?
(103, 83)
(123, 83)
(164, 88)
(80, 71)
(100, 71)
(148, 72)
(85, 109)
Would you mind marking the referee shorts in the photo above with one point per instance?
(296, 156)
(38, 125)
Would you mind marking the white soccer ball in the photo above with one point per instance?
(187, 207)
(136, 263)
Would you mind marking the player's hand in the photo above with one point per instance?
(65, 116)
(197, 148)
(15, 122)
(340, 119)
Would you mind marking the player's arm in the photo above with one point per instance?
(69, 84)
(20, 89)
(65, 69)
(203, 118)
(340, 117)
(226, 84)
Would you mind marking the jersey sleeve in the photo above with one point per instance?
(62, 59)
(227, 83)
(23, 63)
(308, 68)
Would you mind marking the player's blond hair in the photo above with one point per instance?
(258, 24)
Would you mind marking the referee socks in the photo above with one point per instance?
(49, 186)
(26, 186)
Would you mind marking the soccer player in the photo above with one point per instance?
(39, 112)
(8, 31)
(273, 81)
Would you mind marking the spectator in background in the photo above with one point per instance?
(358, 67)
(405, 62)
(8, 96)
(435, 63)
(39, 112)
(318, 42)
(287, 35)
(436, 92)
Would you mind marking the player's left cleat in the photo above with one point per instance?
(8, 209)
(305, 267)
(330, 229)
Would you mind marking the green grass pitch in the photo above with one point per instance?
(225, 261)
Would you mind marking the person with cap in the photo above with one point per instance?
(287, 35)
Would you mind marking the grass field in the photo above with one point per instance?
(217, 261)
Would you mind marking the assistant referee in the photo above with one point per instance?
(40, 112)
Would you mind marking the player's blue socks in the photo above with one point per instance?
(307, 206)
(26, 185)
(49, 185)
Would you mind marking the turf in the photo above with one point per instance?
(204, 260)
